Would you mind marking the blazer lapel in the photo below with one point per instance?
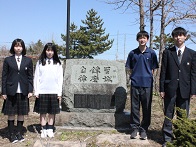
(174, 54)
(22, 61)
(185, 55)
(13, 60)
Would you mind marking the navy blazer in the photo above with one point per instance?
(174, 74)
(11, 75)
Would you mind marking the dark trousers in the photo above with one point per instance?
(143, 96)
(169, 108)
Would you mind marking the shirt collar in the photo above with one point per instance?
(146, 50)
(18, 56)
(182, 49)
(51, 60)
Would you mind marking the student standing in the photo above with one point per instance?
(17, 87)
(48, 81)
(141, 61)
(177, 79)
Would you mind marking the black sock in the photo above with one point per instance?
(44, 127)
(50, 126)
(19, 126)
(11, 126)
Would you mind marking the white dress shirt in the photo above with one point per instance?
(182, 49)
(18, 61)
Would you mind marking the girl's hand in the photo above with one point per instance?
(30, 95)
(193, 96)
(59, 97)
(4, 97)
(162, 95)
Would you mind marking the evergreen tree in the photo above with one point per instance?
(168, 41)
(75, 36)
(184, 131)
(90, 39)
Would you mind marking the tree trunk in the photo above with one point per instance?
(141, 7)
(151, 24)
(162, 46)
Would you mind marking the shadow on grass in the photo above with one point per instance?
(4, 132)
(36, 128)
(155, 135)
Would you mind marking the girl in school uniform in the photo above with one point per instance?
(48, 81)
(17, 87)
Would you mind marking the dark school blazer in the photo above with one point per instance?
(174, 74)
(11, 75)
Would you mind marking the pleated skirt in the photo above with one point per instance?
(47, 103)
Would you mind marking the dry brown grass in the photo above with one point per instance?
(32, 122)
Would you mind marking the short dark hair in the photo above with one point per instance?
(43, 56)
(179, 31)
(15, 42)
(142, 33)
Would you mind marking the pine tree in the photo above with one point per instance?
(184, 131)
(74, 42)
(90, 39)
(95, 42)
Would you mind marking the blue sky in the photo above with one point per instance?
(32, 20)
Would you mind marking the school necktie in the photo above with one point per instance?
(49, 61)
(18, 59)
(179, 55)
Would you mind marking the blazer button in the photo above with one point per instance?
(177, 79)
(179, 71)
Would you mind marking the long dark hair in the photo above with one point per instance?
(15, 42)
(42, 58)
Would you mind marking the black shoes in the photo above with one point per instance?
(143, 135)
(13, 138)
(20, 137)
(134, 134)
(16, 137)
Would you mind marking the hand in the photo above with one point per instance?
(4, 97)
(59, 97)
(30, 95)
(192, 96)
(162, 95)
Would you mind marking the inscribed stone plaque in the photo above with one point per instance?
(94, 74)
(93, 101)
(89, 81)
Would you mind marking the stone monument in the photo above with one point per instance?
(94, 93)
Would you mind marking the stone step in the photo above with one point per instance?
(88, 119)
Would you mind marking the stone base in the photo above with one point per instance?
(86, 119)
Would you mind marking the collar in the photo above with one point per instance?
(145, 51)
(18, 56)
(49, 61)
(182, 48)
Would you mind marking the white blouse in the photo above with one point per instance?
(48, 79)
